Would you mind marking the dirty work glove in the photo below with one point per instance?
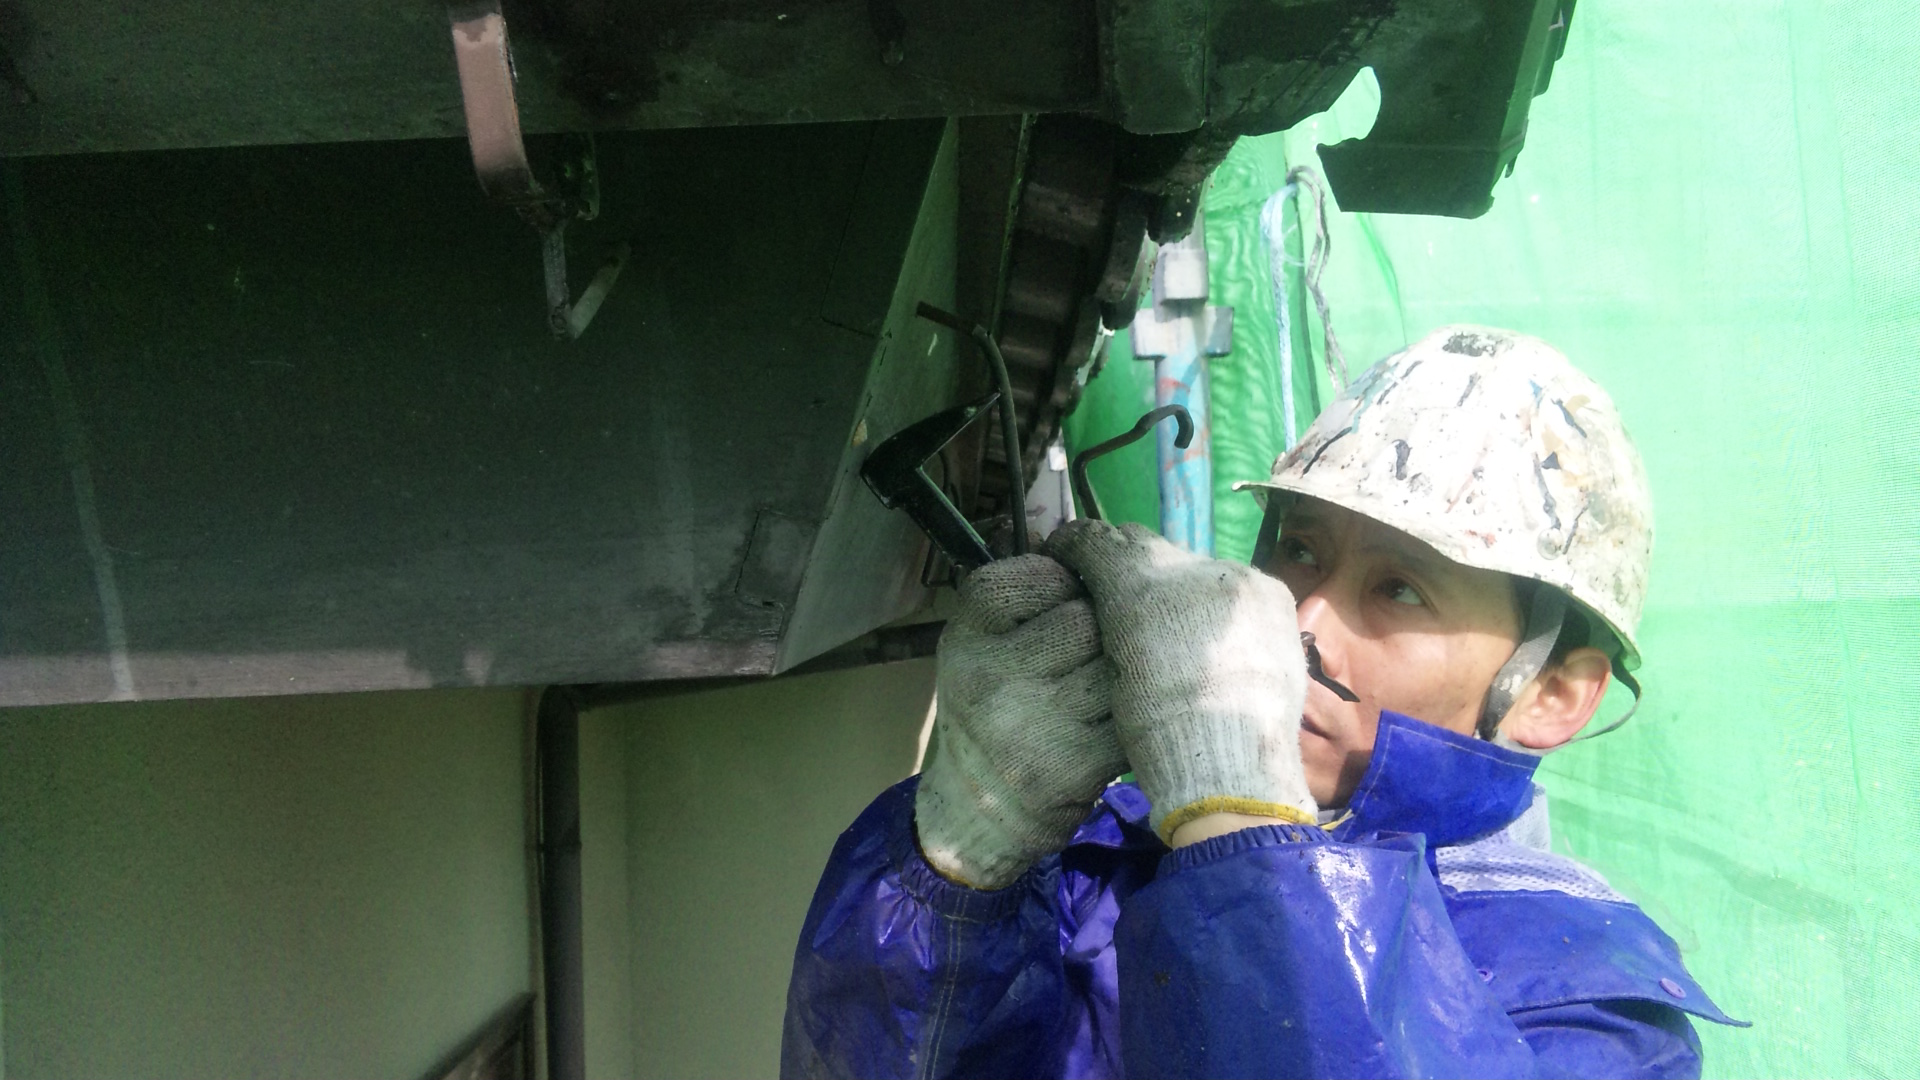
(1209, 676)
(1023, 739)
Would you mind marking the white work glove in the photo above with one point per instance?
(1023, 739)
(1209, 675)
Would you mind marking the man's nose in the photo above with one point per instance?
(1312, 611)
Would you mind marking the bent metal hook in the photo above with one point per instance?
(1090, 506)
(1083, 490)
(1318, 674)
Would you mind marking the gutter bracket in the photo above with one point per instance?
(485, 63)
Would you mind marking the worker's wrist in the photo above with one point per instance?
(973, 853)
(945, 896)
(1251, 811)
(949, 870)
(1208, 826)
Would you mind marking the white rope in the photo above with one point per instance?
(1303, 178)
(1273, 229)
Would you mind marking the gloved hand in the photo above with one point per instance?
(1023, 739)
(1209, 675)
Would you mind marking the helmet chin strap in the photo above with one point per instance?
(1547, 614)
(1544, 619)
(1269, 534)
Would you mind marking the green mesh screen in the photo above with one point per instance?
(1715, 216)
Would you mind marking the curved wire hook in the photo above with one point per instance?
(1319, 674)
(1083, 491)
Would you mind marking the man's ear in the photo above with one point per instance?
(1551, 710)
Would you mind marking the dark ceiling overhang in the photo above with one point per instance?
(280, 412)
(91, 76)
(265, 433)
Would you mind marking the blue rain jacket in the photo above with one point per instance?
(1428, 933)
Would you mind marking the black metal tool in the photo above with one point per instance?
(1083, 489)
(1009, 423)
(896, 473)
(1318, 674)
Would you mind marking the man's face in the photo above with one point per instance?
(1400, 625)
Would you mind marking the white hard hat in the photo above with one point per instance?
(1491, 448)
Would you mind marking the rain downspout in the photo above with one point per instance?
(557, 750)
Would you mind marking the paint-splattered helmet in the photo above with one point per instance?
(1490, 447)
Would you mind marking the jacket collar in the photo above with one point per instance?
(1426, 779)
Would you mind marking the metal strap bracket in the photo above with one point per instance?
(485, 63)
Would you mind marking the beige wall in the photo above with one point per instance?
(299, 886)
(606, 895)
(733, 801)
(338, 885)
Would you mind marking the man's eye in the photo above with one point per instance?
(1400, 592)
(1293, 551)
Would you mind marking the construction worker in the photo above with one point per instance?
(1299, 884)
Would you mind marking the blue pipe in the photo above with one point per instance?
(1186, 476)
(1178, 333)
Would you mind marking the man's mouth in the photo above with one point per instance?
(1308, 724)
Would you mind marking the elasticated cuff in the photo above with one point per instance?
(1228, 804)
(947, 898)
(1248, 839)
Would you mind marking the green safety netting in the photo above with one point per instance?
(1715, 216)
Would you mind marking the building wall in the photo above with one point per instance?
(338, 885)
(296, 886)
(605, 887)
(733, 800)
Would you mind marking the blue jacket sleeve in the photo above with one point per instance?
(900, 972)
(1277, 951)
